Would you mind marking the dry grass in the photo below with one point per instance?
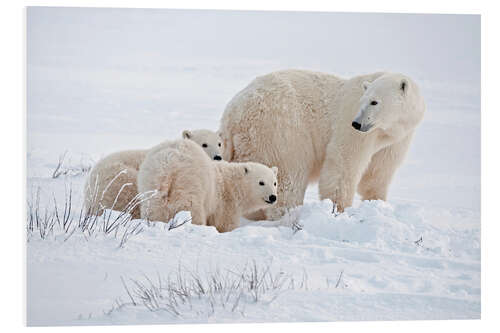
(185, 292)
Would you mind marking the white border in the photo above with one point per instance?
(12, 99)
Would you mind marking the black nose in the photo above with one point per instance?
(272, 198)
(356, 125)
(217, 158)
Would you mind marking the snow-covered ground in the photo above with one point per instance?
(105, 80)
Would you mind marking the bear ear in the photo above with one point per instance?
(403, 86)
(275, 170)
(365, 85)
(186, 134)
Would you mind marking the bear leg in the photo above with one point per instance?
(341, 173)
(198, 215)
(376, 179)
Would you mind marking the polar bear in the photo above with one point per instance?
(112, 182)
(216, 193)
(348, 134)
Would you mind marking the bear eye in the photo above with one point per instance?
(204, 145)
(274, 183)
(219, 144)
(261, 183)
(374, 103)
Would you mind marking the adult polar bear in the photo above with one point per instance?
(348, 133)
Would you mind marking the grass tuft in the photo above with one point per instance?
(185, 292)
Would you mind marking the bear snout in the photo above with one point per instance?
(272, 198)
(217, 158)
(356, 125)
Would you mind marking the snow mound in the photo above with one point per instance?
(380, 226)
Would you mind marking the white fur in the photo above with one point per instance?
(112, 183)
(216, 193)
(301, 122)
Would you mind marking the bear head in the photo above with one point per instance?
(261, 184)
(391, 103)
(208, 140)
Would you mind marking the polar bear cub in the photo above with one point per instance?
(112, 183)
(216, 193)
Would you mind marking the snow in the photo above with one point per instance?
(361, 265)
(105, 80)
